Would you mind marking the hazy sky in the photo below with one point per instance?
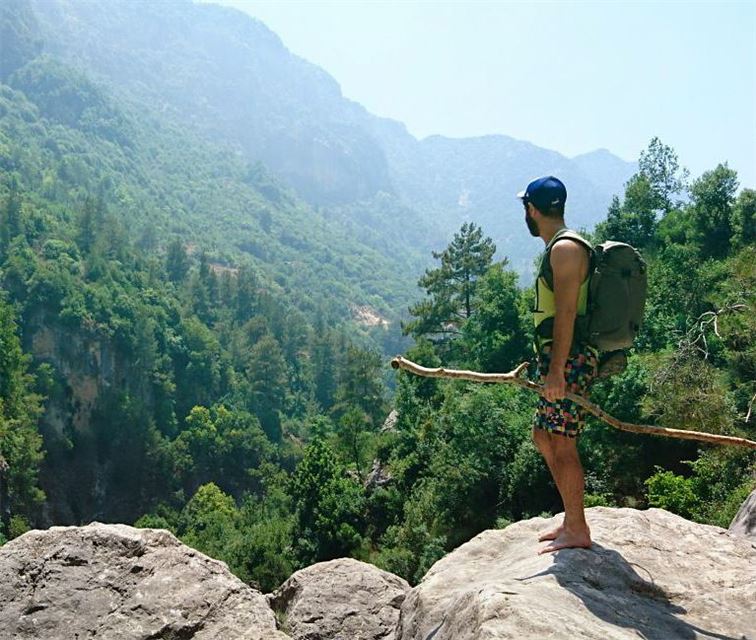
(569, 76)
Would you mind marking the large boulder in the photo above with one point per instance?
(115, 582)
(744, 522)
(342, 599)
(649, 574)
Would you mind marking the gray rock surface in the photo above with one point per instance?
(117, 582)
(389, 424)
(342, 599)
(378, 476)
(650, 574)
(744, 522)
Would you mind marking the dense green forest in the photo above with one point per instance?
(250, 432)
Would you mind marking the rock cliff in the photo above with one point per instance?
(744, 522)
(650, 574)
(117, 582)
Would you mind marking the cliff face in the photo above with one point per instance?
(85, 411)
(649, 574)
(85, 365)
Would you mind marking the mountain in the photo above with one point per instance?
(228, 76)
(453, 180)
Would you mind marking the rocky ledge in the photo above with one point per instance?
(650, 574)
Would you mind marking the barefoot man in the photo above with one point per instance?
(563, 362)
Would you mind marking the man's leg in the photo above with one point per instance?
(542, 439)
(570, 481)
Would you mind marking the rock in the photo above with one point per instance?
(377, 476)
(650, 574)
(342, 599)
(389, 424)
(112, 581)
(744, 522)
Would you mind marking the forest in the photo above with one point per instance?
(257, 432)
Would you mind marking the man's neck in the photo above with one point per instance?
(549, 227)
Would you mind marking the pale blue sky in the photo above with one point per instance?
(569, 76)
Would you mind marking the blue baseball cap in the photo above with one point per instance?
(544, 193)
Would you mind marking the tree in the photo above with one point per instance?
(659, 165)
(650, 193)
(495, 335)
(713, 198)
(246, 294)
(208, 520)
(452, 286)
(744, 219)
(220, 445)
(12, 223)
(20, 408)
(176, 261)
(360, 385)
(198, 366)
(323, 364)
(266, 371)
(329, 507)
(90, 224)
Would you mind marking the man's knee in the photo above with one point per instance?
(564, 448)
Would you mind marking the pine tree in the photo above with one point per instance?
(176, 261)
(266, 372)
(452, 286)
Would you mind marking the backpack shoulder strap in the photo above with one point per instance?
(568, 234)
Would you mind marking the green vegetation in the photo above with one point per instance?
(179, 348)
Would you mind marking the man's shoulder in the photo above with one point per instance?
(569, 252)
(571, 234)
(564, 252)
(570, 242)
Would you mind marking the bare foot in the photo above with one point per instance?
(569, 540)
(551, 535)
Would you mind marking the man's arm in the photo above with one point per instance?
(569, 264)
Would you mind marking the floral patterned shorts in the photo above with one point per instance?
(564, 416)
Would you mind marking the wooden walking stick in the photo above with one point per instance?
(515, 377)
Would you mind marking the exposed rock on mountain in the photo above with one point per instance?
(649, 574)
(115, 581)
(744, 522)
(342, 598)
(378, 476)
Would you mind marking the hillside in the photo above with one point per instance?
(226, 75)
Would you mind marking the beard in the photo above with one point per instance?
(532, 225)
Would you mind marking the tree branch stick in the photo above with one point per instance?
(515, 377)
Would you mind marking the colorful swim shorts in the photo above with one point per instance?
(564, 416)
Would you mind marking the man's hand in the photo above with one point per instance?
(554, 386)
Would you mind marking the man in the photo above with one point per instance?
(563, 362)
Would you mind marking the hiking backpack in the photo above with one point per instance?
(616, 298)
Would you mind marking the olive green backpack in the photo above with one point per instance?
(616, 299)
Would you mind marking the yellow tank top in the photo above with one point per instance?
(545, 304)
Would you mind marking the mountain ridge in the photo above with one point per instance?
(227, 74)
